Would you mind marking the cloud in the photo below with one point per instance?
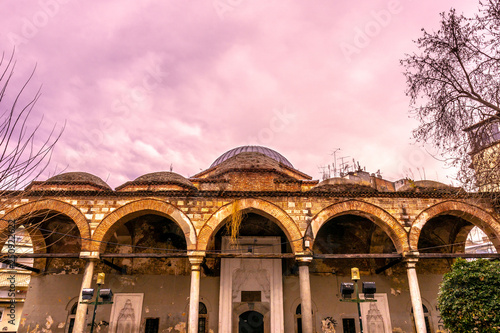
(145, 85)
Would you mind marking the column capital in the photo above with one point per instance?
(89, 255)
(303, 260)
(196, 261)
(411, 258)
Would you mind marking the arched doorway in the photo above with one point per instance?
(251, 322)
(251, 282)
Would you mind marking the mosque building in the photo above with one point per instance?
(250, 244)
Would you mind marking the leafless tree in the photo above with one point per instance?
(23, 156)
(454, 86)
(25, 149)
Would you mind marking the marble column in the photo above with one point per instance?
(305, 294)
(194, 296)
(81, 310)
(416, 299)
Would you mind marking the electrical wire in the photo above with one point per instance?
(218, 251)
(164, 249)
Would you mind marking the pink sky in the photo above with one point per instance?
(143, 85)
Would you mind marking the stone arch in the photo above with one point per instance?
(377, 215)
(470, 213)
(108, 224)
(52, 205)
(267, 209)
(297, 302)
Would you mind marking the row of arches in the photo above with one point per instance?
(457, 217)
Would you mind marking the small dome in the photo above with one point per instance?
(163, 177)
(78, 178)
(338, 184)
(252, 149)
(425, 185)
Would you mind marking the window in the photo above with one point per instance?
(23, 245)
(202, 318)
(298, 319)
(427, 319)
(71, 318)
(152, 325)
(348, 325)
(251, 296)
(485, 135)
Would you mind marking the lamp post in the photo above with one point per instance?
(105, 294)
(348, 288)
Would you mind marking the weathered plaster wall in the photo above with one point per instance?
(165, 296)
(46, 305)
(326, 294)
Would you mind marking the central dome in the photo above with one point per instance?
(252, 149)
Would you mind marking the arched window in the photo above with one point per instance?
(71, 318)
(298, 319)
(427, 319)
(202, 318)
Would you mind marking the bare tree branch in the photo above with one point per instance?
(454, 84)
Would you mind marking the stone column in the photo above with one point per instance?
(416, 299)
(81, 310)
(305, 294)
(194, 296)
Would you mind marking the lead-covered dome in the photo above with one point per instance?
(76, 179)
(252, 149)
(164, 177)
(158, 181)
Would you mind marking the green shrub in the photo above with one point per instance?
(469, 297)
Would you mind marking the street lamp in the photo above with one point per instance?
(105, 294)
(347, 289)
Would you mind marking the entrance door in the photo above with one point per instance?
(248, 285)
(251, 322)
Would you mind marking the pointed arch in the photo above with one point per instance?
(377, 215)
(470, 213)
(51, 205)
(109, 223)
(267, 209)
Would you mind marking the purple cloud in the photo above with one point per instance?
(143, 86)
